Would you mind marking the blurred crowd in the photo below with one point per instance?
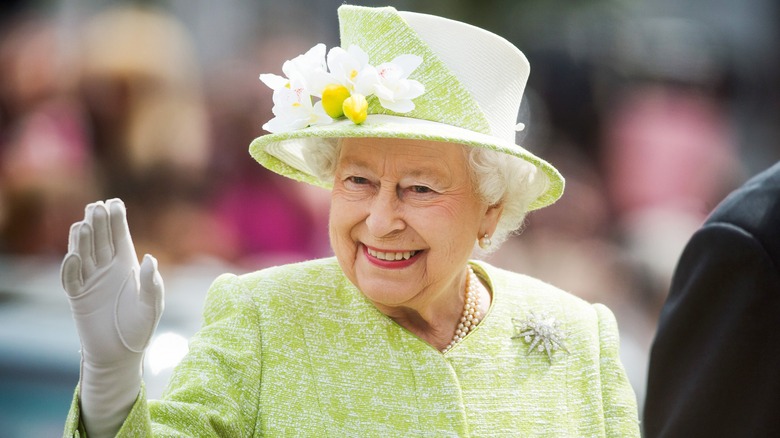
(123, 109)
(651, 115)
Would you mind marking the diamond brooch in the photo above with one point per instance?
(541, 332)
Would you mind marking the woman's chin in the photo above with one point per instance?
(388, 282)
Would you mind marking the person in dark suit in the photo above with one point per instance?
(715, 362)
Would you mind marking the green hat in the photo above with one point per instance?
(424, 77)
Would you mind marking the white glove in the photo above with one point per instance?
(116, 305)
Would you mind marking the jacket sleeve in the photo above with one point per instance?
(213, 391)
(620, 407)
(714, 362)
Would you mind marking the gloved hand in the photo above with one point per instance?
(116, 305)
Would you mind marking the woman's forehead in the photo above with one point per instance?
(368, 150)
(416, 158)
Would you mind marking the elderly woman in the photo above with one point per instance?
(401, 334)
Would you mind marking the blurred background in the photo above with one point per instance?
(652, 109)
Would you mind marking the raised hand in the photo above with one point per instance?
(116, 304)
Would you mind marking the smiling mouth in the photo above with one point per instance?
(391, 256)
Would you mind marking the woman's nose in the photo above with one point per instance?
(384, 215)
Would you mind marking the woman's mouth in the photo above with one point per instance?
(394, 260)
(390, 256)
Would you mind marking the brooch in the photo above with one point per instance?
(541, 332)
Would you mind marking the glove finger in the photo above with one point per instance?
(74, 229)
(88, 211)
(152, 287)
(139, 307)
(101, 232)
(70, 274)
(86, 251)
(73, 237)
(120, 231)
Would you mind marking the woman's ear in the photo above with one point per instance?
(490, 221)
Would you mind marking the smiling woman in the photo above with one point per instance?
(401, 333)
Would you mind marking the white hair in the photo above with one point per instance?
(498, 178)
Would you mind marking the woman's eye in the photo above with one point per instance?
(421, 189)
(357, 180)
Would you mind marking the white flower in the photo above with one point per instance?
(308, 69)
(294, 110)
(395, 91)
(348, 78)
(273, 81)
(350, 68)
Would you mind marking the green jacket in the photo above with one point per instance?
(297, 350)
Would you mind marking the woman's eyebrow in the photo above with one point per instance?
(437, 174)
(427, 174)
(354, 164)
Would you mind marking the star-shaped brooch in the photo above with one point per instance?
(541, 332)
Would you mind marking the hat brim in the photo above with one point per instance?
(283, 152)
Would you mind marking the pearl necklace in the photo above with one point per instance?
(471, 314)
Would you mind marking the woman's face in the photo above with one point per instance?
(404, 218)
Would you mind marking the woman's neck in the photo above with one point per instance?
(435, 322)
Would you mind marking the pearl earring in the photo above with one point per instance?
(485, 242)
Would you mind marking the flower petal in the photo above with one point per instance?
(407, 63)
(399, 106)
(274, 81)
(313, 59)
(366, 82)
(310, 68)
(358, 54)
(319, 116)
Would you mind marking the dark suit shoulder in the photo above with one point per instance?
(755, 208)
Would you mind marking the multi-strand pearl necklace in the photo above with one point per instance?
(471, 314)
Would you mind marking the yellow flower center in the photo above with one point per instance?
(356, 108)
(333, 97)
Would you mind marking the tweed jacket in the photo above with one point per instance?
(297, 350)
